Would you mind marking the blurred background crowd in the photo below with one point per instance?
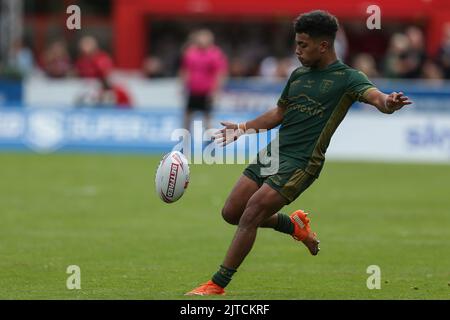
(262, 50)
(253, 47)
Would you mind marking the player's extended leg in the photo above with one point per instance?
(261, 205)
(264, 203)
(237, 201)
(251, 207)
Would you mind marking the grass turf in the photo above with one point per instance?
(100, 212)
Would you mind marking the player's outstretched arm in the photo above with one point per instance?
(387, 103)
(232, 131)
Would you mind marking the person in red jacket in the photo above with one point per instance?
(92, 61)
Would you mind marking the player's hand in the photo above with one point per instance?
(231, 132)
(396, 101)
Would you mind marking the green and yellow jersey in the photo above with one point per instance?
(315, 102)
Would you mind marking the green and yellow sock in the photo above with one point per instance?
(223, 276)
(284, 224)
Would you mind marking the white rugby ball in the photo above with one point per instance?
(172, 176)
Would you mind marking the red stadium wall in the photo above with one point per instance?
(130, 17)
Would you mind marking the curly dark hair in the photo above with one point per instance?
(317, 24)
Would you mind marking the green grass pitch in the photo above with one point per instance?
(100, 212)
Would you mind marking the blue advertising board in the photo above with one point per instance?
(92, 130)
(11, 92)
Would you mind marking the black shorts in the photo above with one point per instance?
(199, 103)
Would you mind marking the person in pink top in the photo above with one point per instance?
(203, 70)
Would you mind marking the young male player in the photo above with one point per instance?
(315, 100)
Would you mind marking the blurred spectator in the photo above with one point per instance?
(431, 71)
(268, 67)
(406, 54)
(417, 53)
(56, 61)
(153, 67)
(251, 53)
(272, 67)
(238, 67)
(203, 70)
(444, 52)
(22, 58)
(399, 63)
(366, 63)
(92, 62)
